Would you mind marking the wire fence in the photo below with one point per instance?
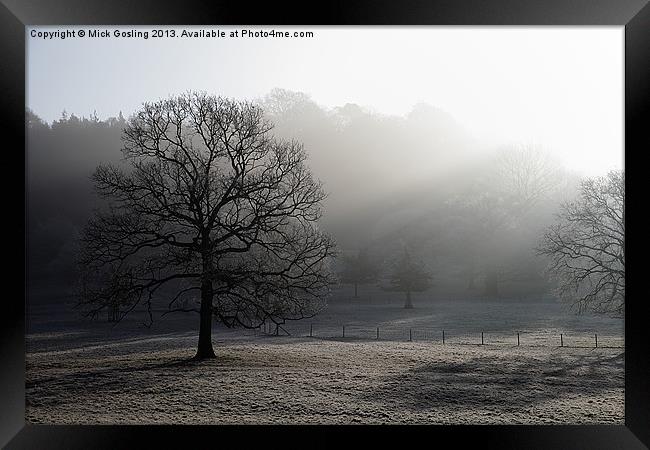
(523, 338)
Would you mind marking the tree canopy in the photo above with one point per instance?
(214, 208)
(586, 247)
(359, 269)
(409, 275)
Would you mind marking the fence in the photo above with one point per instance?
(534, 338)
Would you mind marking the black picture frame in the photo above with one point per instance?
(15, 15)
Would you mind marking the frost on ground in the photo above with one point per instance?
(262, 379)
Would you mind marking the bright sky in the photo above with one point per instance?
(561, 87)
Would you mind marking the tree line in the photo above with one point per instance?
(214, 203)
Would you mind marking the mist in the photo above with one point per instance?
(404, 225)
(420, 181)
(560, 87)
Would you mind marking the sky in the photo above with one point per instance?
(559, 87)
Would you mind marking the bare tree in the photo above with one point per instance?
(359, 269)
(586, 247)
(525, 175)
(409, 275)
(212, 205)
(498, 206)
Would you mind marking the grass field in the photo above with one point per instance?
(81, 372)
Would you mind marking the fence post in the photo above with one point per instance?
(481, 338)
(377, 332)
(410, 335)
(561, 341)
(517, 338)
(343, 330)
(443, 337)
(596, 336)
(311, 329)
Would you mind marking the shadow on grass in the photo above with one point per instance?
(504, 383)
(79, 378)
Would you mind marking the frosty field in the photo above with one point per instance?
(94, 373)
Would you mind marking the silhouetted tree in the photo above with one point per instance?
(359, 269)
(211, 204)
(409, 275)
(586, 247)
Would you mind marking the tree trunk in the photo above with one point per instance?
(491, 283)
(205, 349)
(408, 304)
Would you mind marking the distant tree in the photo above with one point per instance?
(525, 174)
(586, 247)
(211, 204)
(498, 207)
(409, 275)
(294, 113)
(280, 101)
(34, 122)
(359, 269)
(60, 191)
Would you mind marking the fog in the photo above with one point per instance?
(458, 144)
(418, 182)
(560, 87)
(474, 195)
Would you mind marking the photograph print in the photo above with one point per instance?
(325, 225)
